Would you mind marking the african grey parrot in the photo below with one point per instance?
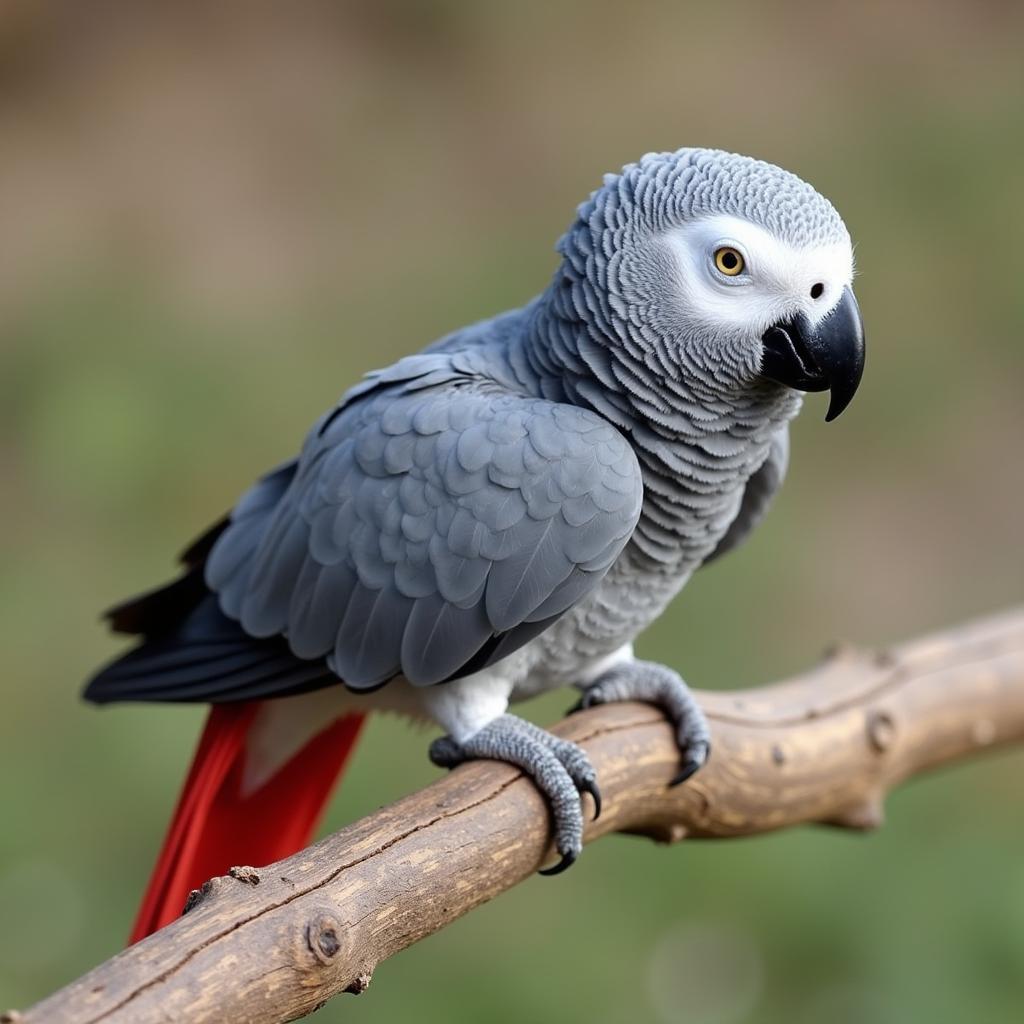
(503, 513)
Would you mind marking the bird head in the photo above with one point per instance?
(724, 270)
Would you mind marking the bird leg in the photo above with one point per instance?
(560, 770)
(656, 684)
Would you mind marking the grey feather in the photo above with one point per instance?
(400, 472)
(761, 488)
(556, 472)
(439, 639)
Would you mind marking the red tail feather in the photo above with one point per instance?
(216, 826)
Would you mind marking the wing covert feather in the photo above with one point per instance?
(433, 523)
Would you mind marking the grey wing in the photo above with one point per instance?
(757, 496)
(432, 527)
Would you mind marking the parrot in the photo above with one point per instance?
(502, 514)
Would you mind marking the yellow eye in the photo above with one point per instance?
(729, 261)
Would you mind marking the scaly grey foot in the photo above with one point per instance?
(560, 770)
(652, 683)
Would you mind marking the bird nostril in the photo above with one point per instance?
(817, 290)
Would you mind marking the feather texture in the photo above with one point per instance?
(556, 472)
(425, 520)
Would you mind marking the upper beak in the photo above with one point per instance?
(830, 355)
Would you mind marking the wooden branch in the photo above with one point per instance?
(271, 944)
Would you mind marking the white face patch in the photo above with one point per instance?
(777, 282)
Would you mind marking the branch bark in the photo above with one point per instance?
(272, 944)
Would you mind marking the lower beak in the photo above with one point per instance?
(829, 356)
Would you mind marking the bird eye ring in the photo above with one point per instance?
(729, 261)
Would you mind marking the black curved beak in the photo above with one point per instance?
(829, 356)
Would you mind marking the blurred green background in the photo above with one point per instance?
(214, 217)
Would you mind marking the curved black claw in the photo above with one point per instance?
(590, 698)
(697, 759)
(658, 685)
(688, 769)
(559, 768)
(567, 861)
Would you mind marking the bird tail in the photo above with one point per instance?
(222, 820)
